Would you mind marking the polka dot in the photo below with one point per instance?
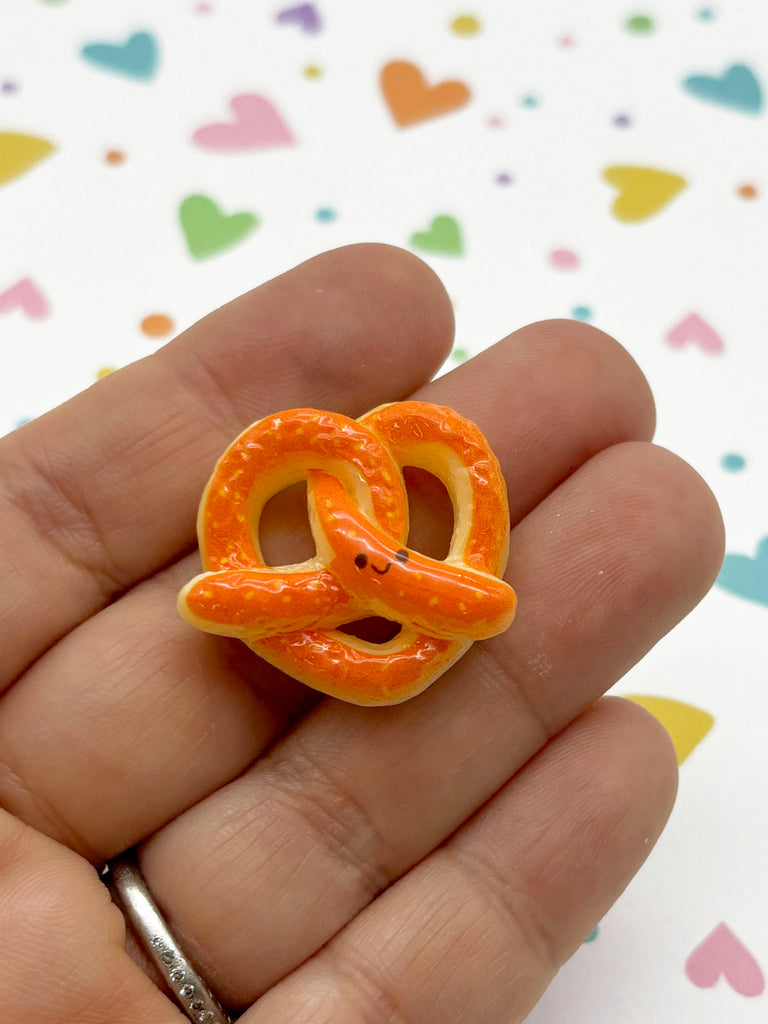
(566, 42)
(313, 71)
(581, 313)
(203, 9)
(115, 156)
(705, 14)
(104, 371)
(564, 259)
(9, 88)
(496, 122)
(157, 325)
(459, 355)
(325, 215)
(733, 462)
(592, 935)
(23, 421)
(639, 24)
(622, 121)
(747, 192)
(503, 178)
(465, 25)
(529, 101)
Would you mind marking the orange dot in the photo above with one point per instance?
(747, 191)
(156, 325)
(115, 156)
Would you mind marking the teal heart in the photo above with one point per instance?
(136, 58)
(737, 88)
(209, 231)
(747, 577)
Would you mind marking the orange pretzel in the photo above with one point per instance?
(358, 509)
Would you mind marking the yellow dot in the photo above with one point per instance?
(462, 606)
(286, 599)
(156, 325)
(313, 71)
(478, 594)
(433, 601)
(465, 25)
(104, 371)
(250, 595)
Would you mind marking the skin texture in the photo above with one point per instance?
(431, 861)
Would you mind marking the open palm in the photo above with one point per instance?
(429, 863)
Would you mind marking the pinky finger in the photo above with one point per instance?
(478, 930)
(62, 942)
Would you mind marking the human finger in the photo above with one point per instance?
(102, 491)
(351, 799)
(63, 948)
(102, 748)
(477, 931)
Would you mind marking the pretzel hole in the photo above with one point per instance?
(431, 513)
(284, 534)
(374, 629)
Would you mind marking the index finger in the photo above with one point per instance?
(102, 491)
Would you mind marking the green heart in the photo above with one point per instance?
(209, 231)
(443, 237)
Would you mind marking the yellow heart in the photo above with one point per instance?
(20, 152)
(686, 725)
(643, 191)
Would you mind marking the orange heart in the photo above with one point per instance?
(411, 99)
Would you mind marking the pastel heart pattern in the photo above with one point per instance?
(208, 230)
(26, 297)
(723, 955)
(692, 330)
(643, 191)
(747, 577)
(411, 99)
(255, 124)
(442, 237)
(19, 153)
(738, 88)
(305, 16)
(137, 57)
(687, 725)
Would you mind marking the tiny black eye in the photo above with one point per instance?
(401, 555)
(361, 560)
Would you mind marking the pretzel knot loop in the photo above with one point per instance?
(358, 507)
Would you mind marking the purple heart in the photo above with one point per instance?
(304, 15)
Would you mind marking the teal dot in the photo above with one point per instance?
(581, 313)
(705, 14)
(640, 24)
(733, 462)
(325, 215)
(592, 936)
(530, 101)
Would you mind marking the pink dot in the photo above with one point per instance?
(496, 121)
(563, 259)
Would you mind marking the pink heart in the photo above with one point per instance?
(256, 125)
(721, 954)
(696, 331)
(26, 296)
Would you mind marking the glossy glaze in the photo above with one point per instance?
(359, 518)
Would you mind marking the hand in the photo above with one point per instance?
(433, 862)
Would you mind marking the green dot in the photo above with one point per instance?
(733, 462)
(459, 355)
(639, 23)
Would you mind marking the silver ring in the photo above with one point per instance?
(128, 888)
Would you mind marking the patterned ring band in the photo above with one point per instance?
(130, 892)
